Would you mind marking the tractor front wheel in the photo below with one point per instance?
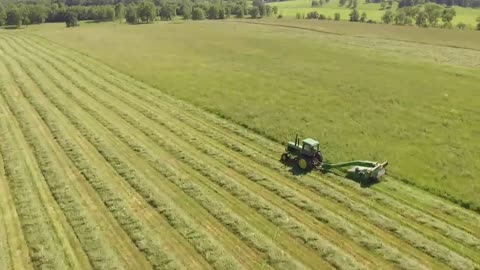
(304, 163)
(284, 158)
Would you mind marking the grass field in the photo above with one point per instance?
(289, 9)
(361, 97)
(101, 171)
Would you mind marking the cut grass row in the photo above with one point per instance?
(105, 122)
(11, 234)
(45, 248)
(207, 247)
(265, 143)
(94, 244)
(196, 166)
(144, 239)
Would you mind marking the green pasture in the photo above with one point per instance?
(373, 10)
(359, 102)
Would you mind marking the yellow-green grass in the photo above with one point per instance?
(180, 188)
(373, 10)
(360, 103)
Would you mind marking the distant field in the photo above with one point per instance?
(291, 8)
(358, 98)
(99, 170)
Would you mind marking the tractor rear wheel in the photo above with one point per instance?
(304, 163)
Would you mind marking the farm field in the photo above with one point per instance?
(289, 9)
(366, 95)
(101, 171)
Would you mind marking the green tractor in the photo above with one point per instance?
(307, 156)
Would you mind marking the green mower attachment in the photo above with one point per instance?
(360, 170)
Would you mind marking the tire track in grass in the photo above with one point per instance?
(210, 250)
(12, 242)
(63, 182)
(236, 129)
(51, 244)
(112, 200)
(79, 101)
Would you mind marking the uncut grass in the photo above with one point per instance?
(241, 133)
(217, 260)
(319, 72)
(135, 146)
(141, 237)
(94, 244)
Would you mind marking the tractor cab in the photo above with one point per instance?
(310, 147)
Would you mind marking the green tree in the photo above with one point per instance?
(198, 14)
(3, 16)
(342, 3)
(314, 3)
(387, 17)
(221, 13)
(434, 12)
(262, 10)
(312, 15)
(275, 10)
(354, 16)
(240, 14)
(254, 12)
(336, 16)
(354, 4)
(383, 4)
(167, 13)
(71, 19)
(422, 19)
(187, 12)
(131, 14)
(363, 17)
(268, 10)
(478, 23)
(37, 13)
(448, 14)
(120, 12)
(212, 12)
(146, 12)
(109, 13)
(14, 16)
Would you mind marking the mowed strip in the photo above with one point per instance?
(200, 219)
(14, 247)
(103, 240)
(113, 190)
(51, 241)
(202, 157)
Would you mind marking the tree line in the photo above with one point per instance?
(133, 12)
